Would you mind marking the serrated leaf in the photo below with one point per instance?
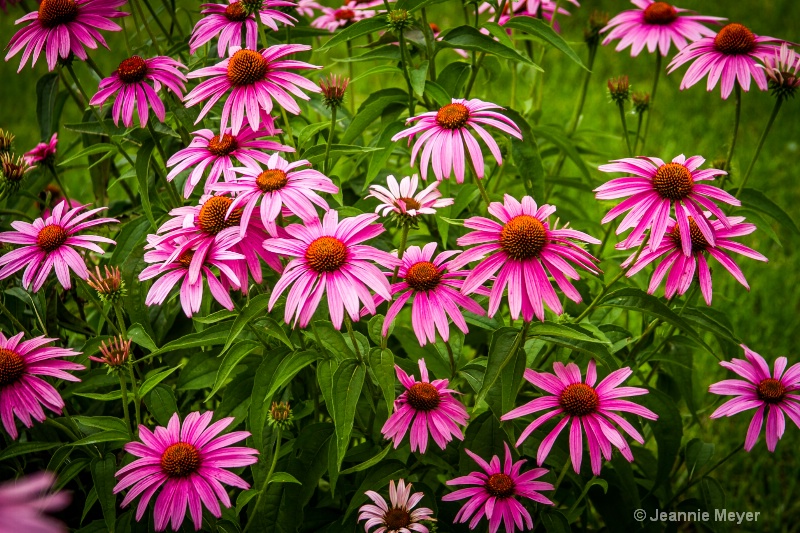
(101, 422)
(213, 336)
(161, 404)
(102, 436)
(153, 380)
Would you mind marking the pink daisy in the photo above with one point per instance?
(22, 392)
(64, 27)
(403, 200)
(398, 517)
(49, 243)
(522, 246)
(332, 19)
(682, 268)
(762, 391)
(731, 54)
(24, 502)
(654, 189)
(253, 79)
(189, 462)
(425, 407)
(593, 408)
(129, 83)
(656, 25)
(42, 152)
(494, 493)
(328, 257)
(281, 185)
(444, 134)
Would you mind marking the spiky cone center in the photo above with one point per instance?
(110, 286)
(132, 70)
(523, 237)
(222, 145)
(272, 180)
(235, 12)
(579, 399)
(13, 169)
(452, 116)
(115, 353)
(771, 390)
(399, 19)
(423, 397)
(423, 276)
(180, 460)
(500, 485)
(326, 254)
(409, 203)
(280, 414)
(212, 215)
(660, 13)
(344, 14)
(699, 242)
(54, 13)
(735, 39)
(12, 366)
(673, 181)
(51, 237)
(6, 140)
(185, 258)
(246, 67)
(396, 519)
(333, 89)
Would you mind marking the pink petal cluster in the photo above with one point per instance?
(403, 199)
(333, 18)
(399, 516)
(24, 502)
(43, 151)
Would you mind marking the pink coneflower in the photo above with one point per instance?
(129, 83)
(399, 516)
(682, 268)
(445, 133)
(189, 462)
(493, 493)
(403, 200)
(253, 79)
(519, 8)
(425, 407)
(5, 3)
(49, 243)
(656, 25)
(654, 189)
(522, 246)
(783, 71)
(332, 19)
(306, 7)
(731, 54)
(42, 151)
(328, 257)
(281, 185)
(594, 408)
(24, 502)
(22, 392)
(762, 390)
(64, 27)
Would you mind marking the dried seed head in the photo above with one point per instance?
(619, 89)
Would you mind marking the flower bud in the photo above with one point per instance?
(619, 89)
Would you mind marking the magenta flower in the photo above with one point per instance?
(519, 8)
(656, 25)
(445, 133)
(402, 199)
(522, 246)
(42, 152)
(281, 185)
(654, 189)
(332, 19)
(22, 392)
(129, 83)
(64, 27)
(494, 493)
(762, 391)
(189, 462)
(783, 71)
(24, 502)
(425, 407)
(730, 55)
(532, 6)
(218, 153)
(49, 245)
(253, 79)
(306, 7)
(400, 516)
(682, 268)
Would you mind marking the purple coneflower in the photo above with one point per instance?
(189, 463)
(425, 407)
(403, 200)
(45, 151)
(24, 502)
(773, 393)
(494, 493)
(783, 71)
(22, 392)
(306, 7)
(332, 19)
(399, 516)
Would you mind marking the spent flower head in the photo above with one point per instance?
(333, 89)
(619, 89)
(115, 355)
(597, 21)
(12, 172)
(109, 285)
(641, 102)
(6, 139)
(280, 415)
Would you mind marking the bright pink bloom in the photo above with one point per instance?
(731, 54)
(494, 493)
(654, 189)
(445, 133)
(656, 25)
(329, 258)
(425, 407)
(522, 246)
(403, 199)
(49, 244)
(281, 185)
(332, 19)
(762, 391)
(682, 268)
(306, 7)
(189, 462)
(400, 516)
(253, 79)
(594, 408)
(22, 392)
(129, 83)
(64, 27)
(24, 502)
(42, 151)
(532, 6)
(519, 8)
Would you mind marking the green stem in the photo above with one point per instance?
(352, 95)
(429, 40)
(561, 476)
(738, 112)
(148, 29)
(401, 249)
(621, 106)
(760, 145)
(289, 130)
(120, 320)
(453, 367)
(698, 478)
(476, 67)
(52, 170)
(606, 236)
(581, 497)
(17, 324)
(124, 389)
(171, 191)
(266, 480)
(484, 194)
(652, 99)
(98, 304)
(158, 21)
(326, 166)
(638, 133)
(405, 61)
(349, 324)
(135, 399)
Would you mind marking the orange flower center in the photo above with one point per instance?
(660, 13)
(396, 518)
(434, 27)
(212, 215)
(500, 485)
(235, 12)
(699, 242)
(272, 180)
(523, 237)
(423, 276)
(579, 399)
(180, 460)
(12, 366)
(222, 145)
(771, 390)
(51, 237)
(410, 203)
(452, 116)
(186, 258)
(326, 254)
(246, 67)
(344, 14)
(54, 13)
(132, 70)
(423, 397)
(673, 181)
(735, 39)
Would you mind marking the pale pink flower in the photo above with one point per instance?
(397, 517)
(403, 199)
(44, 151)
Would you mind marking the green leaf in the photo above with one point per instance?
(151, 382)
(503, 348)
(381, 366)
(99, 148)
(347, 382)
(138, 334)
(46, 93)
(541, 29)
(555, 522)
(698, 453)
(103, 477)
(275, 330)
(714, 498)
(142, 176)
(552, 329)
(369, 463)
(283, 477)
(288, 368)
(437, 92)
(378, 476)
(417, 77)
(453, 77)
(161, 404)
(469, 38)
(668, 430)
(215, 335)
(362, 27)
(232, 359)
(96, 128)
(254, 308)
(527, 158)
(378, 159)
(131, 236)
(316, 154)
(331, 339)
(69, 473)
(102, 436)
(25, 448)
(382, 69)
(757, 200)
(109, 423)
(369, 111)
(104, 397)
(566, 145)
